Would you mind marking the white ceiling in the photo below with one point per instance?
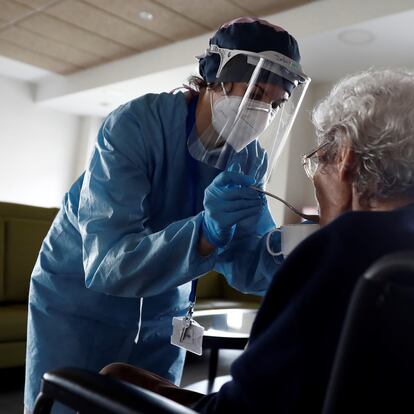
(67, 36)
(326, 58)
(317, 26)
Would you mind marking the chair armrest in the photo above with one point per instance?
(90, 392)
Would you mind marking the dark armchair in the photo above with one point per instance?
(92, 393)
(373, 371)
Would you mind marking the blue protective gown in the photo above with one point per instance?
(128, 229)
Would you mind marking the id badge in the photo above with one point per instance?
(187, 334)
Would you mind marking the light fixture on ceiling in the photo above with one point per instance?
(144, 15)
(356, 37)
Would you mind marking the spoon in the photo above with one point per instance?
(311, 217)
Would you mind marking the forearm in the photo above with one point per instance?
(146, 265)
(246, 263)
(204, 248)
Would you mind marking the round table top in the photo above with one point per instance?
(226, 323)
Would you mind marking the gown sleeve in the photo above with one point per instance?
(122, 256)
(246, 263)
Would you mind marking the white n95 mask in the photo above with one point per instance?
(240, 129)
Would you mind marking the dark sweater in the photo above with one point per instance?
(286, 366)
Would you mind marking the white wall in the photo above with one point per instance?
(39, 148)
(88, 131)
(322, 90)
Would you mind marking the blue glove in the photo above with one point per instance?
(252, 160)
(228, 200)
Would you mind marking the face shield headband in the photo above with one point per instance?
(250, 121)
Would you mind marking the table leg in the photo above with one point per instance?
(212, 370)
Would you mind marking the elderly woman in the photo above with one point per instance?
(363, 174)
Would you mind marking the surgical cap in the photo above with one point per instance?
(250, 34)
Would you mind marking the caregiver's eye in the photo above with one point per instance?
(278, 104)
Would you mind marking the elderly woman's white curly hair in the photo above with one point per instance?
(374, 112)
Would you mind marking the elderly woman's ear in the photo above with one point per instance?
(334, 185)
(346, 162)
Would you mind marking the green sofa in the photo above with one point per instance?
(213, 292)
(22, 230)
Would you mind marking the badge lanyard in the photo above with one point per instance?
(187, 333)
(193, 185)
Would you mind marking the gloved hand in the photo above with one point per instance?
(228, 200)
(252, 160)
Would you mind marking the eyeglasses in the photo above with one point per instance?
(310, 161)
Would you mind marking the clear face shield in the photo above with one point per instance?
(251, 118)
